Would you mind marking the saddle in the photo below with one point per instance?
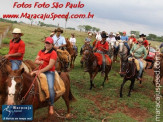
(59, 87)
(137, 63)
(99, 59)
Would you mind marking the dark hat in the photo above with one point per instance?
(58, 30)
(103, 35)
(142, 35)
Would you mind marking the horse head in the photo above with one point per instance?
(64, 58)
(14, 86)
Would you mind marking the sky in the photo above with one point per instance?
(145, 16)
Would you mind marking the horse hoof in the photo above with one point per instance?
(68, 116)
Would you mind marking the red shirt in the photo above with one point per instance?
(133, 40)
(46, 58)
(145, 43)
(99, 45)
(17, 47)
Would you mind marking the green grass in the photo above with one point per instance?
(99, 103)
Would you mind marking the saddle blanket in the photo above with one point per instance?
(59, 86)
(99, 59)
(137, 63)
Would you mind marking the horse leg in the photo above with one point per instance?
(66, 99)
(124, 81)
(131, 87)
(94, 75)
(91, 81)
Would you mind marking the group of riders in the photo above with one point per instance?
(47, 57)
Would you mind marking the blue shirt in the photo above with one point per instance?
(124, 38)
(58, 41)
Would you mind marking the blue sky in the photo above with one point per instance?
(145, 16)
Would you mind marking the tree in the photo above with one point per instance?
(151, 37)
(80, 27)
(97, 29)
(94, 29)
(87, 28)
(136, 33)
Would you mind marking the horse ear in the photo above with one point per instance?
(8, 68)
(22, 70)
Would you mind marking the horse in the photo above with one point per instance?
(111, 51)
(72, 52)
(3, 78)
(158, 70)
(92, 67)
(63, 60)
(128, 69)
(25, 90)
(131, 43)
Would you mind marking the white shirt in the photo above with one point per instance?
(111, 39)
(98, 37)
(73, 41)
(58, 41)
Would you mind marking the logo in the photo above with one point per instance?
(17, 112)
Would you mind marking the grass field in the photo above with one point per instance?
(99, 103)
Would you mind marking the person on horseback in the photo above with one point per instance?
(124, 38)
(102, 48)
(117, 37)
(58, 40)
(46, 58)
(87, 42)
(73, 42)
(132, 37)
(145, 42)
(111, 38)
(16, 49)
(138, 51)
(161, 45)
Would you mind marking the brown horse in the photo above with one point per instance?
(158, 70)
(3, 78)
(92, 67)
(18, 86)
(63, 60)
(72, 52)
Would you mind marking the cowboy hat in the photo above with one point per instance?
(17, 30)
(142, 35)
(103, 35)
(58, 30)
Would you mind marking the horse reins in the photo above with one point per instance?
(31, 88)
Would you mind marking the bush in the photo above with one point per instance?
(4, 50)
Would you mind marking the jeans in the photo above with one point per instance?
(141, 68)
(50, 75)
(15, 64)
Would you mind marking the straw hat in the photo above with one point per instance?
(17, 30)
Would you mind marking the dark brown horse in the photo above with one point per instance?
(72, 52)
(128, 69)
(92, 67)
(18, 84)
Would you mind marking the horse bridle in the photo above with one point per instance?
(31, 89)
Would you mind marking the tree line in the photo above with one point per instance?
(87, 28)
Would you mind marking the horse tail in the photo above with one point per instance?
(71, 97)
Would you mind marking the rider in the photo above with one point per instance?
(87, 41)
(124, 38)
(102, 48)
(133, 38)
(73, 42)
(145, 42)
(161, 47)
(16, 49)
(139, 52)
(111, 38)
(117, 37)
(46, 58)
(58, 40)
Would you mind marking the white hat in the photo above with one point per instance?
(132, 34)
(17, 30)
(90, 34)
(51, 34)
